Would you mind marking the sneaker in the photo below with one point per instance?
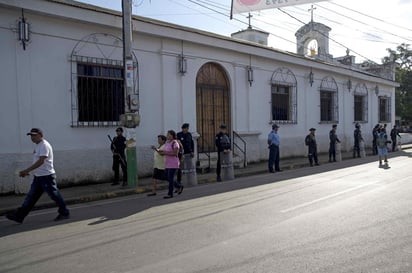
(13, 217)
(61, 217)
(180, 190)
(167, 197)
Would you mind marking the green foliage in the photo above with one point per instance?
(403, 94)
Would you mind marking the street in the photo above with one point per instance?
(357, 218)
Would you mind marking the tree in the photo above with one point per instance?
(402, 55)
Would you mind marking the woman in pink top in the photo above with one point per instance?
(172, 162)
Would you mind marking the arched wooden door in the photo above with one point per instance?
(212, 104)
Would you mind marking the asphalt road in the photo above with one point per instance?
(354, 219)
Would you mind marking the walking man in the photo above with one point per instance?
(44, 179)
(188, 146)
(333, 138)
(357, 135)
(394, 135)
(223, 144)
(118, 147)
(310, 141)
(274, 142)
(381, 143)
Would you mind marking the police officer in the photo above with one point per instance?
(223, 144)
(357, 135)
(186, 141)
(394, 135)
(274, 142)
(333, 139)
(310, 141)
(118, 147)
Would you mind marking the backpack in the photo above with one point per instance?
(381, 141)
(225, 142)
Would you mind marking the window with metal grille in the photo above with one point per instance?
(280, 102)
(329, 108)
(100, 93)
(283, 96)
(384, 109)
(361, 103)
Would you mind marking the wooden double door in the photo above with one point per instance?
(212, 105)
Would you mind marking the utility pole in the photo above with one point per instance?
(130, 119)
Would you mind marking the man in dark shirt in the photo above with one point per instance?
(118, 147)
(357, 135)
(310, 141)
(394, 135)
(223, 144)
(186, 140)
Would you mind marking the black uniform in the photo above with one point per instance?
(333, 138)
(394, 135)
(118, 147)
(357, 135)
(375, 133)
(222, 142)
(188, 148)
(310, 141)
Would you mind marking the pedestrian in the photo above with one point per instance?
(274, 142)
(394, 135)
(381, 142)
(223, 144)
(44, 179)
(188, 147)
(118, 147)
(375, 133)
(333, 139)
(159, 163)
(310, 141)
(172, 162)
(357, 135)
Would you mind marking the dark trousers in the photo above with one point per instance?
(170, 175)
(356, 149)
(374, 147)
(393, 144)
(179, 171)
(218, 165)
(273, 158)
(119, 160)
(332, 152)
(39, 185)
(313, 156)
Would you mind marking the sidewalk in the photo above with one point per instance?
(94, 192)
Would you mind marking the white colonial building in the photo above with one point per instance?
(64, 74)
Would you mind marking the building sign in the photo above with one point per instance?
(239, 6)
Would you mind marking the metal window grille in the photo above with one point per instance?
(329, 106)
(361, 103)
(283, 96)
(384, 109)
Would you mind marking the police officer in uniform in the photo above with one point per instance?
(223, 144)
(310, 141)
(118, 147)
(357, 135)
(333, 138)
(186, 140)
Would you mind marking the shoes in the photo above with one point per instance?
(180, 190)
(167, 196)
(316, 164)
(278, 171)
(271, 171)
(115, 183)
(61, 217)
(151, 194)
(219, 179)
(124, 184)
(13, 217)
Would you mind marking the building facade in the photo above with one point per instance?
(64, 75)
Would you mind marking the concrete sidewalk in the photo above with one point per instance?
(93, 192)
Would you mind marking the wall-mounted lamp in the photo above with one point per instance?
(250, 75)
(23, 30)
(349, 85)
(311, 80)
(377, 90)
(182, 64)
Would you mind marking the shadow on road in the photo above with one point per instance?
(117, 208)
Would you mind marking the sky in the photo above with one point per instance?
(365, 27)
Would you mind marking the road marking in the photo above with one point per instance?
(327, 197)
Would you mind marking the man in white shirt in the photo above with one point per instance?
(44, 179)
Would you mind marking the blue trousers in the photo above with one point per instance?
(273, 157)
(170, 174)
(39, 185)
